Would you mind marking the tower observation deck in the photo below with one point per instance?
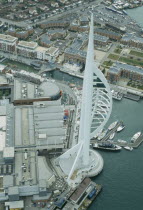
(96, 105)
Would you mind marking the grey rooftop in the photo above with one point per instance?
(117, 67)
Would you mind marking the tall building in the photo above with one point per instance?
(96, 106)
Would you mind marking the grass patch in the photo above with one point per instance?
(139, 54)
(108, 63)
(113, 56)
(117, 50)
(131, 61)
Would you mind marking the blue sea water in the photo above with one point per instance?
(136, 14)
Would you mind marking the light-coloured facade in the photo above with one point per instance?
(8, 43)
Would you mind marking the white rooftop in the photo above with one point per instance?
(8, 152)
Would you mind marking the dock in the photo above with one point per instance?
(105, 138)
(132, 96)
(122, 144)
(130, 144)
(87, 202)
(83, 196)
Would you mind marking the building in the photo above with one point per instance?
(111, 34)
(101, 40)
(27, 49)
(84, 20)
(31, 50)
(79, 42)
(8, 43)
(132, 40)
(121, 70)
(54, 4)
(34, 119)
(78, 28)
(55, 24)
(56, 34)
(51, 54)
(45, 41)
(22, 34)
(75, 56)
(33, 11)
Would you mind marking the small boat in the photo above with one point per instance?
(98, 134)
(121, 141)
(120, 128)
(124, 11)
(135, 136)
(107, 146)
(128, 148)
(102, 135)
(72, 85)
(112, 125)
(112, 136)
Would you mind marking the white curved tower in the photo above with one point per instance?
(96, 108)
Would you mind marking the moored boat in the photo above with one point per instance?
(120, 128)
(98, 134)
(128, 148)
(112, 136)
(135, 136)
(107, 146)
(102, 135)
(112, 125)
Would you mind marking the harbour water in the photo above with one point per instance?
(136, 14)
(122, 176)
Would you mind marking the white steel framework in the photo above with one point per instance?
(96, 108)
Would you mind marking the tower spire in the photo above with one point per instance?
(86, 106)
(95, 111)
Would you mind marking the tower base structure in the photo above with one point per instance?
(94, 167)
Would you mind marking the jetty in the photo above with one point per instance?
(130, 144)
(106, 137)
(121, 144)
(132, 96)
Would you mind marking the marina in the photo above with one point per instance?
(121, 143)
(106, 137)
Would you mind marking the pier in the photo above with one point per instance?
(132, 96)
(105, 138)
(122, 144)
(130, 144)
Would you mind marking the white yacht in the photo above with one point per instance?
(112, 125)
(102, 135)
(107, 146)
(128, 148)
(112, 136)
(135, 136)
(120, 128)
